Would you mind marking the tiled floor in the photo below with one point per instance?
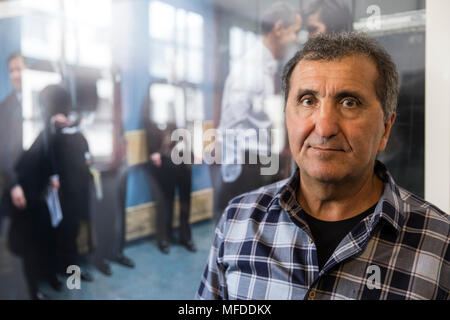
(156, 275)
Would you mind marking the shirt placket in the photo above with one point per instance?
(350, 252)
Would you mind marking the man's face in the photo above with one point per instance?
(16, 66)
(288, 36)
(334, 119)
(314, 25)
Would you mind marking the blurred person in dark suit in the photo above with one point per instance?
(30, 234)
(166, 177)
(13, 201)
(11, 138)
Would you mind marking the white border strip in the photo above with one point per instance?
(437, 104)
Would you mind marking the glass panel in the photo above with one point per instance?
(195, 65)
(87, 36)
(105, 95)
(162, 60)
(41, 37)
(181, 27)
(180, 68)
(32, 84)
(72, 50)
(94, 13)
(99, 136)
(93, 47)
(97, 125)
(195, 29)
(241, 42)
(194, 104)
(167, 104)
(162, 19)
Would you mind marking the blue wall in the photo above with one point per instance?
(10, 42)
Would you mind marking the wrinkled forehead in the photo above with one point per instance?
(353, 71)
(355, 65)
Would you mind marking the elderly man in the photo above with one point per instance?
(340, 227)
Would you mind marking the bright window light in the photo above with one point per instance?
(162, 19)
(32, 84)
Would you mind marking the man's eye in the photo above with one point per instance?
(349, 103)
(307, 102)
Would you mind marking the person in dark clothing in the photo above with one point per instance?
(11, 192)
(31, 234)
(166, 177)
(70, 152)
(29, 231)
(62, 153)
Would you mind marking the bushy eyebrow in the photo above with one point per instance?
(338, 96)
(348, 93)
(304, 92)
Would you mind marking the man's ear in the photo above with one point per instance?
(277, 28)
(387, 130)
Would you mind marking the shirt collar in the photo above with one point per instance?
(389, 207)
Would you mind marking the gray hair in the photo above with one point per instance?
(335, 46)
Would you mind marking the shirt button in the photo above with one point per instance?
(312, 294)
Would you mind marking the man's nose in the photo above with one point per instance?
(327, 118)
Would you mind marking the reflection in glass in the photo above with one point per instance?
(33, 82)
(162, 19)
(176, 46)
(41, 36)
(98, 126)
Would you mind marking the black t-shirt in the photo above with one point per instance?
(328, 234)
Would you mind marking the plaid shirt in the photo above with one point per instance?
(263, 249)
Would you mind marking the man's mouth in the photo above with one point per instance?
(326, 149)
